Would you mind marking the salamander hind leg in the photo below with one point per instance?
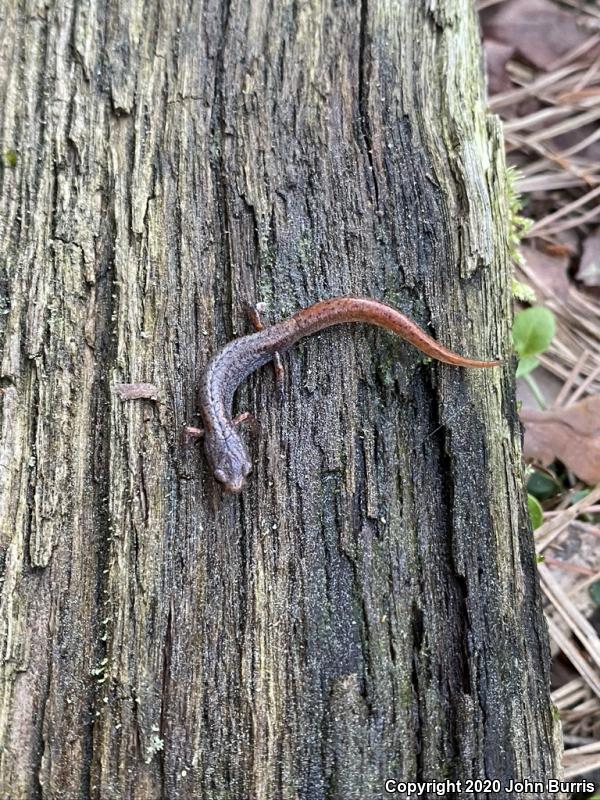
(190, 432)
(253, 313)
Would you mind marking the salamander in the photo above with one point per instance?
(225, 450)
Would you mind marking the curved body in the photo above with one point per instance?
(224, 447)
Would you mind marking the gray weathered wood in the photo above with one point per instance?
(368, 608)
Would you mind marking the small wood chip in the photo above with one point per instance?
(136, 391)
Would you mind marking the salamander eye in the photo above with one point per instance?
(220, 476)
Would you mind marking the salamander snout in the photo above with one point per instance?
(229, 461)
(232, 482)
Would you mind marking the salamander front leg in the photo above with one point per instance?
(253, 313)
(190, 432)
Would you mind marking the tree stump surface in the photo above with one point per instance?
(368, 608)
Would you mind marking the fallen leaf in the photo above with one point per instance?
(550, 272)
(571, 435)
(136, 391)
(497, 55)
(538, 29)
(589, 266)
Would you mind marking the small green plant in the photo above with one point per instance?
(542, 484)
(594, 591)
(533, 330)
(536, 513)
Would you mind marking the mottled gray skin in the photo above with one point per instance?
(225, 450)
(224, 447)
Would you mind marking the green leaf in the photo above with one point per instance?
(526, 365)
(535, 511)
(579, 495)
(533, 330)
(594, 591)
(542, 485)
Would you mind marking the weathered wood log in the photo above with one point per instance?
(368, 608)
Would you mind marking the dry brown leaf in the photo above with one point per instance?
(551, 272)
(539, 29)
(571, 435)
(497, 55)
(589, 267)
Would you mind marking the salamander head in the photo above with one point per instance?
(228, 459)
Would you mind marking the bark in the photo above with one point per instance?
(368, 608)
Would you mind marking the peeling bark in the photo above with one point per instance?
(369, 607)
